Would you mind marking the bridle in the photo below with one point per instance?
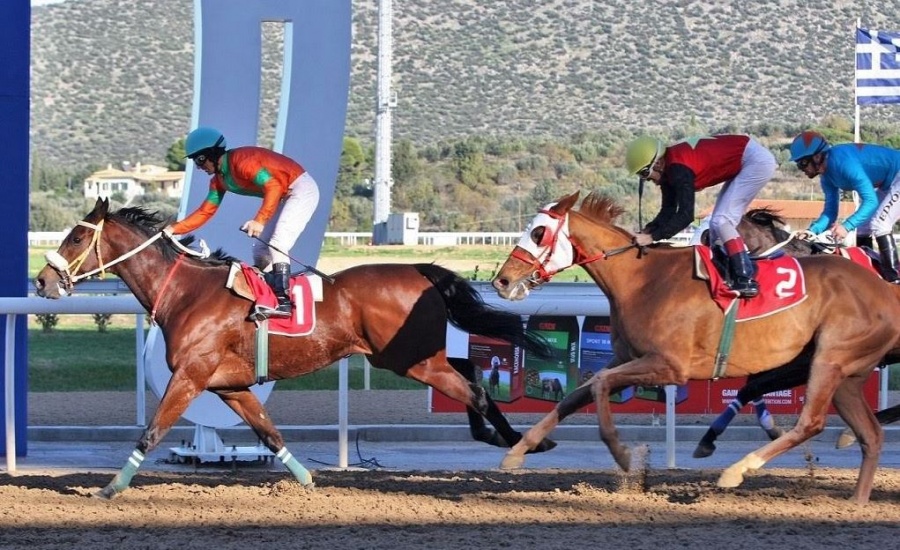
(556, 241)
(68, 271)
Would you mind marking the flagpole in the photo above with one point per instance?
(855, 88)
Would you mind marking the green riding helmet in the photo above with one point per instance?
(642, 152)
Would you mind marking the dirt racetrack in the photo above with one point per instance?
(491, 509)
(261, 506)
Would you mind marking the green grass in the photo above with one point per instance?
(58, 361)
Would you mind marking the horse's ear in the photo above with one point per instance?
(566, 203)
(101, 207)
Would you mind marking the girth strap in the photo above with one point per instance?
(725, 340)
(262, 351)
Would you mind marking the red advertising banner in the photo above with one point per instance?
(521, 383)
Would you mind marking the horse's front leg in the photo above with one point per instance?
(515, 457)
(647, 370)
(248, 407)
(179, 393)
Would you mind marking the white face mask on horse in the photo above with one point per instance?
(551, 249)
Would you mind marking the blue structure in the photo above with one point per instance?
(15, 61)
(312, 105)
(312, 108)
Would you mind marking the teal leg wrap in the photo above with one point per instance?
(291, 463)
(123, 478)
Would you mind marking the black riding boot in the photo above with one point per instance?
(281, 279)
(865, 240)
(742, 271)
(889, 262)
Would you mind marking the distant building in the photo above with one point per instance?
(133, 182)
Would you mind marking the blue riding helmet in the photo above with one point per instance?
(201, 139)
(807, 144)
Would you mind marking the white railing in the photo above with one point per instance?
(362, 238)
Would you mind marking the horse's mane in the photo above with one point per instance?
(766, 216)
(601, 208)
(150, 223)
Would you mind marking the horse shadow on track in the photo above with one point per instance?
(676, 486)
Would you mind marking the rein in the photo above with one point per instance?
(826, 247)
(67, 270)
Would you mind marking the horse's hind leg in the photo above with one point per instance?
(451, 383)
(477, 427)
(820, 389)
(248, 407)
(884, 417)
(757, 386)
(851, 405)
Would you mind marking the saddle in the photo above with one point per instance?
(781, 284)
(250, 283)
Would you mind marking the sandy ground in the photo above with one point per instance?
(548, 509)
(435, 510)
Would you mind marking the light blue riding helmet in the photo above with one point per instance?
(203, 138)
(807, 144)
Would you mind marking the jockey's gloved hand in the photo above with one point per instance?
(806, 235)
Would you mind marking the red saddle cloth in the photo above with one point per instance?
(782, 285)
(859, 256)
(303, 318)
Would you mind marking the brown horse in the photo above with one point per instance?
(762, 230)
(665, 329)
(395, 314)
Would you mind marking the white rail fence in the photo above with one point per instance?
(357, 238)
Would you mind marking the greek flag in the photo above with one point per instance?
(877, 66)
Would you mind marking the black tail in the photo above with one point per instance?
(467, 311)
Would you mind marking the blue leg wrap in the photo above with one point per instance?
(724, 419)
(291, 463)
(763, 414)
(123, 478)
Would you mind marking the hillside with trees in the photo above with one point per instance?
(501, 106)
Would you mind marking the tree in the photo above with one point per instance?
(175, 156)
(352, 170)
(405, 162)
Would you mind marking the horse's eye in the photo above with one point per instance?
(76, 240)
(541, 236)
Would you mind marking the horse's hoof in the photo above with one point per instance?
(730, 478)
(774, 433)
(623, 458)
(311, 486)
(106, 493)
(543, 446)
(704, 450)
(512, 462)
(846, 439)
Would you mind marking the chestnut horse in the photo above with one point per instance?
(762, 230)
(395, 314)
(666, 329)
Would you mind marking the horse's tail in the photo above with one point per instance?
(467, 311)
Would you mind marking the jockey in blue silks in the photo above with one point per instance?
(873, 172)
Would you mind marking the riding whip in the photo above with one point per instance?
(640, 200)
(309, 268)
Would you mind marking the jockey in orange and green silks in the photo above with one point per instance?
(289, 198)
